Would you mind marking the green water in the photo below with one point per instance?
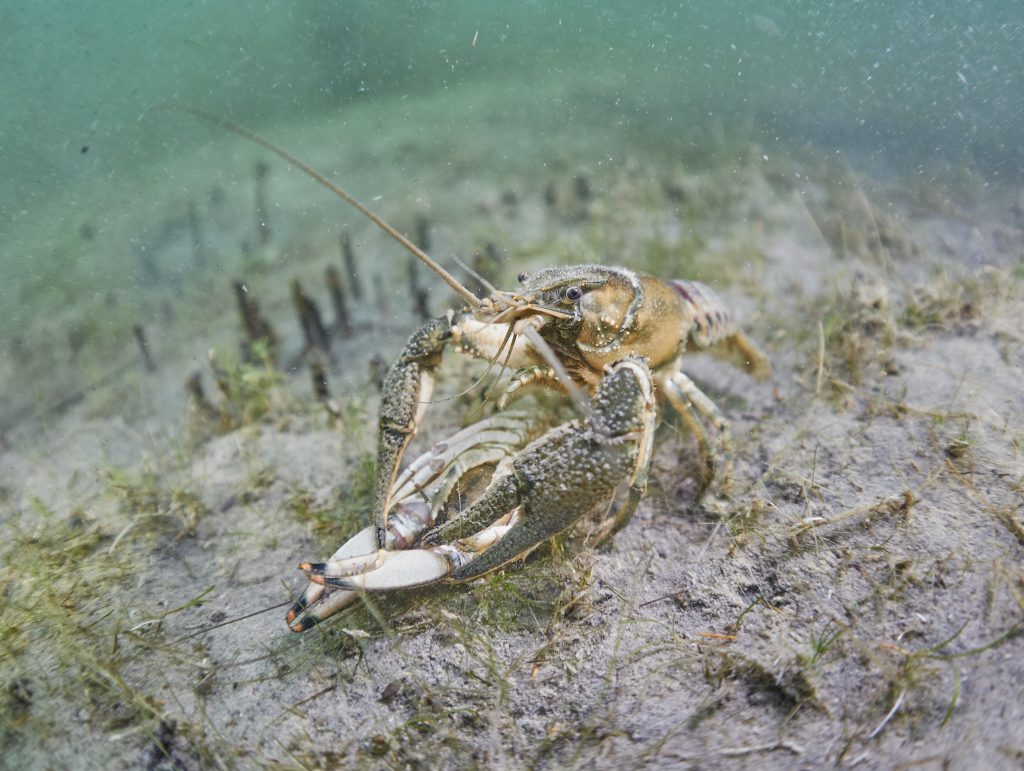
(912, 80)
(406, 98)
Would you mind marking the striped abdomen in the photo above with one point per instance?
(710, 320)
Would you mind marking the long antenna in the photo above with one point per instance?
(542, 347)
(427, 260)
(235, 620)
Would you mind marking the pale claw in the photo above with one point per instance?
(330, 572)
(330, 601)
(418, 492)
(394, 570)
(318, 602)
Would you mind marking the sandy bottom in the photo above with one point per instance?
(857, 599)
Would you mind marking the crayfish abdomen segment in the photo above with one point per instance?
(709, 321)
(707, 324)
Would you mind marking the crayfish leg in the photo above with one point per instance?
(407, 389)
(692, 405)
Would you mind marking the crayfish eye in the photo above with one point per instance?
(573, 293)
(523, 276)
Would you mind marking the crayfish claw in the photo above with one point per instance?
(303, 615)
(331, 572)
(397, 570)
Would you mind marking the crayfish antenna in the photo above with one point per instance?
(235, 620)
(509, 340)
(344, 195)
(574, 391)
(483, 281)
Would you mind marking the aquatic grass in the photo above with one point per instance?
(948, 301)
(528, 597)
(866, 320)
(249, 392)
(434, 722)
(917, 669)
(73, 642)
(821, 643)
(346, 510)
(151, 505)
(943, 190)
(852, 225)
(859, 333)
(1006, 515)
(58, 618)
(864, 323)
(744, 521)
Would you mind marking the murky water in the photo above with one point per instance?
(922, 78)
(402, 98)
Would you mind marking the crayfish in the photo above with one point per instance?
(610, 338)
